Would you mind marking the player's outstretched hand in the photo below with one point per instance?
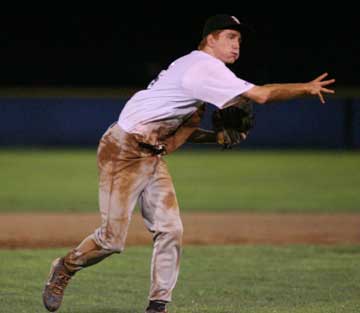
(318, 86)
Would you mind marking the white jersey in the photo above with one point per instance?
(178, 92)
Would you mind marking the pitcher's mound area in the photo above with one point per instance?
(63, 230)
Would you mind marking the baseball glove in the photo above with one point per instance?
(233, 124)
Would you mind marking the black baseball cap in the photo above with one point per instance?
(222, 21)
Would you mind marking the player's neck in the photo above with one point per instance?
(211, 52)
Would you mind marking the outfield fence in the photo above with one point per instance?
(80, 121)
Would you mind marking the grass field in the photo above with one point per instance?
(217, 279)
(213, 279)
(255, 181)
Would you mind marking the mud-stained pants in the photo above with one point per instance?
(127, 174)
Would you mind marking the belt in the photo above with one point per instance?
(159, 149)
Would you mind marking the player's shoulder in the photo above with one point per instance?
(204, 64)
(202, 70)
(193, 62)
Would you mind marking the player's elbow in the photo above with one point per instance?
(258, 94)
(261, 99)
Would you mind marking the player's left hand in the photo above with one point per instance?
(232, 124)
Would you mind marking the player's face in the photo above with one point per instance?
(227, 46)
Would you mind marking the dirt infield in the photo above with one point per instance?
(62, 230)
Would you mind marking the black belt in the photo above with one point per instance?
(153, 149)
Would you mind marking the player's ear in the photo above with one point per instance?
(211, 40)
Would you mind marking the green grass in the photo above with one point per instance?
(213, 279)
(255, 181)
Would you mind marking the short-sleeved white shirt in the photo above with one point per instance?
(178, 91)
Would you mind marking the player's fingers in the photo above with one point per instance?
(227, 138)
(232, 136)
(220, 137)
(327, 90)
(236, 137)
(321, 77)
(327, 82)
(322, 100)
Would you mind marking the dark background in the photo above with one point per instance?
(129, 48)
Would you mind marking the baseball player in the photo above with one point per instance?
(155, 122)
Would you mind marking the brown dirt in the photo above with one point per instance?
(62, 230)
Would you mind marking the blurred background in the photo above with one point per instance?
(122, 49)
(65, 78)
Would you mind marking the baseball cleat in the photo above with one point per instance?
(156, 307)
(58, 279)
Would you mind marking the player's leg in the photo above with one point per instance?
(117, 198)
(121, 180)
(160, 210)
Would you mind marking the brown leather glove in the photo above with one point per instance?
(233, 124)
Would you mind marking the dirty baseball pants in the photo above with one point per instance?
(129, 174)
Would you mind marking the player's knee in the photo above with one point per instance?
(116, 246)
(112, 244)
(113, 247)
(117, 250)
